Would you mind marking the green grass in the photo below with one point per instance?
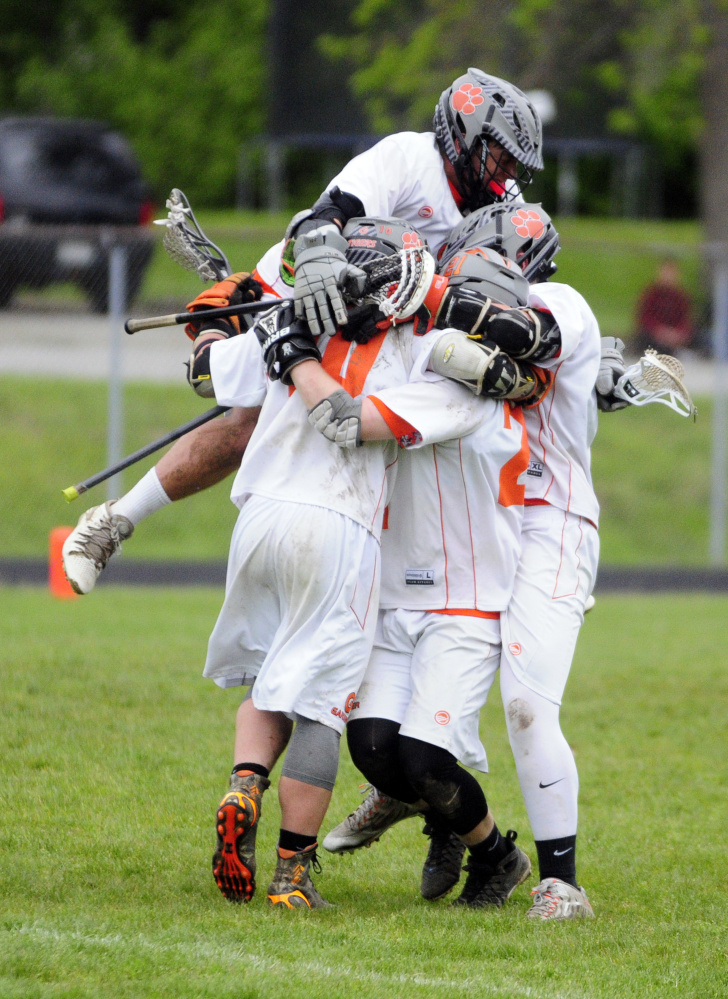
(114, 752)
(651, 472)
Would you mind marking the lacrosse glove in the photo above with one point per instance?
(238, 289)
(611, 369)
(198, 366)
(321, 272)
(285, 342)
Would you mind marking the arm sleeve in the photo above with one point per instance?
(238, 371)
(437, 411)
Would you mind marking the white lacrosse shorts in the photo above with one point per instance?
(556, 574)
(300, 610)
(432, 673)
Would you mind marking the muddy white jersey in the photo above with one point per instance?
(561, 429)
(454, 519)
(403, 175)
(287, 459)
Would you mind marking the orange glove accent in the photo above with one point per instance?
(234, 290)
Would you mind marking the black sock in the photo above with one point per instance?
(255, 768)
(492, 850)
(557, 859)
(294, 841)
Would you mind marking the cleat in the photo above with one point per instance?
(441, 871)
(88, 548)
(589, 604)
(486, 887)
(292, 887)
(236, 824)
(556, 899)
(364, 826)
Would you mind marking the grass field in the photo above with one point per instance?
(114, 752)
(651, 473)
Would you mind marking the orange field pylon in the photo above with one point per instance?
(57, 582)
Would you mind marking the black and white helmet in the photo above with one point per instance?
(488, 274)
(523, 233)
(371, 239)
(476, 108)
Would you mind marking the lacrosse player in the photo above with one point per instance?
(485, 145)
(558, 561)
(298, 618)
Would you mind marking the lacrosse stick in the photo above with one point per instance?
(177, 318)
(187, 244)
(71, 493)
(656, 378)
(410, 271)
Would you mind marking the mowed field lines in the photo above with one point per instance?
(114, 752)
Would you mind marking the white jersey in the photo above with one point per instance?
(561, 429)
(287, 459)
(403, 175)
(454, 520)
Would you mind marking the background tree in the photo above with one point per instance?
(185, 83)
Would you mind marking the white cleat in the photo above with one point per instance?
(377, 813)
(589, 604)
(555, 899)
(88, 548)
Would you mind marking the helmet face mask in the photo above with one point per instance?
(491, 134)
(523, 233)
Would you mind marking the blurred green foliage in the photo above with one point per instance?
(185, 83)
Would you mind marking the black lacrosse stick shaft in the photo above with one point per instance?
(73, 491)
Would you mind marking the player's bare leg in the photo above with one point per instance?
(196, 461)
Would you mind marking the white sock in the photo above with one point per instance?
(143, 499)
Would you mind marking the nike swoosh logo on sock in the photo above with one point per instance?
(560, 853)
(551, 784)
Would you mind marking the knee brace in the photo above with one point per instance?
(312, 756)
(448, 789)
(374, 748)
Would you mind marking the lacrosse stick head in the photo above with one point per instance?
(397, 262)
(186, 243)
(656, 378)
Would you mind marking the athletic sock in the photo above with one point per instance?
(143, 499)
(251, 768)
(557, 859)
(492, 849)
(293, 842)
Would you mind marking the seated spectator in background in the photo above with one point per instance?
(664, 319)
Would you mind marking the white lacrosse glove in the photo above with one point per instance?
(611, 369)
(320, 273)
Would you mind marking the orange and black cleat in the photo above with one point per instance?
(292, 887)
(233, 864)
